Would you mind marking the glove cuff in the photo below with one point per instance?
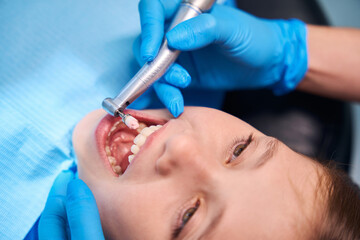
(295, 59)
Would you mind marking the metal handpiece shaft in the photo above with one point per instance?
(152, 71)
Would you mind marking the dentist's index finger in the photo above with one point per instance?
(153, 14)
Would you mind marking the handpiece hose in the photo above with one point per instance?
(154, 70)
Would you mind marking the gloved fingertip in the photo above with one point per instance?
(77, 188)
(178, 76)
(187, 79)
(171, 38)
(66, 173)
(61, 182)
(184, 79)
(176, 107)
(148, 51)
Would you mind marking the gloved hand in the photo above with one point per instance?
(231, 50)
(70, 210)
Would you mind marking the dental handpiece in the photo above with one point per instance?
(154, 70)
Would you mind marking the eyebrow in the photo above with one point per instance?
(212, 226)
(272, 146)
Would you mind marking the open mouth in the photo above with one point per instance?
(121, 144)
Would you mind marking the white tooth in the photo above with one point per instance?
(112, 160)
(159, 126)
(131, 157)
(135, 149)
(117, 169)
(140, 140)
(107, 150)
(146, 132)
(153, 128)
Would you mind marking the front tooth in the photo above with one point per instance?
(135, 149)
(140, 140)
(130, 158)
(153, 128)
(146, 132)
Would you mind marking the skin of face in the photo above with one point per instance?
(267, 192)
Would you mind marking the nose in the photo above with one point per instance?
(184, 156)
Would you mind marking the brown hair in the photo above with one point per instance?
(341, 216)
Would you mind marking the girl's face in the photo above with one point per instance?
(204, 175)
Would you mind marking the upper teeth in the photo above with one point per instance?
(141, 138)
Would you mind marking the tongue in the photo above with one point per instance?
(120, 144)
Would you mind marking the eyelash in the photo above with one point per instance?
(240, 146)
(177, 230)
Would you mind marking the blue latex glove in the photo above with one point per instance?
(70, 210)
(241, 51)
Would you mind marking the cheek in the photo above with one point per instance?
(132, 214)
(111, 210)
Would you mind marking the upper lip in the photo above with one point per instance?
(108, 121)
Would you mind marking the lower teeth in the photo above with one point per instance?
(117, 169)
(107, 150)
